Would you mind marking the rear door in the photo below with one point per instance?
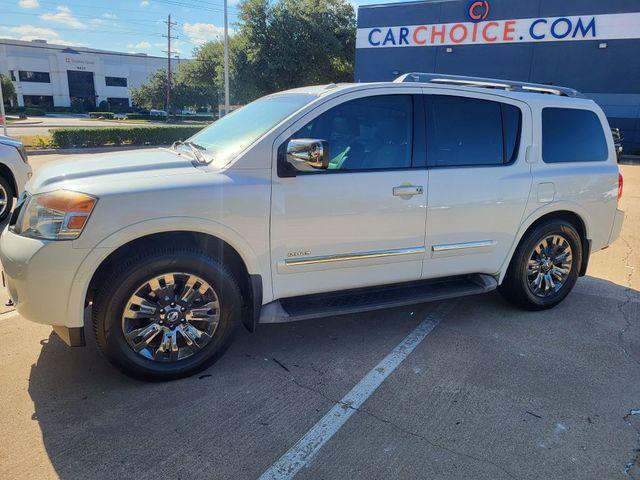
(362, 221)
(479, 180)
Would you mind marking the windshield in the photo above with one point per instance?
(227, 137)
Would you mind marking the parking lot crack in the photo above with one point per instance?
(400, 428)
(623, 306)
(632, 468)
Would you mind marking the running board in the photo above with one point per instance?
(374, 298)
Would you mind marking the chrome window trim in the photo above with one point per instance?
(462, 246)
(354, 256)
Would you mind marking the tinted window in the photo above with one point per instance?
(572, 135)
(115, 81)
(467, 131)
(42, 77)
(366, 134)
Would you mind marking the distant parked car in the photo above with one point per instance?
(14, 172)
(617, 141)
(158, 113)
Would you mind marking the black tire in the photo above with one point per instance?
(515, 287)
(7, 186)
(124, 280)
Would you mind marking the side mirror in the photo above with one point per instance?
(304, 153)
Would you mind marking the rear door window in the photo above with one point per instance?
(572, 135)
(465, 131)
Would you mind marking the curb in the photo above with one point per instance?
(77, 151)
(630, 160)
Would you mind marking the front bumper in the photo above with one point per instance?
(39, 276)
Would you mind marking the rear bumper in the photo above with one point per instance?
(617, 226)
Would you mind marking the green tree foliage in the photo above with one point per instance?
(8, 91)
(153, 94)
(276, 46)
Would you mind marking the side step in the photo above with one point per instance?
(374, 298)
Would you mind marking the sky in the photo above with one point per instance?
(135, 26)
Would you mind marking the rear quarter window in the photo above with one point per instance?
(572, 135)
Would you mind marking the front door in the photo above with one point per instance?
(361, 222)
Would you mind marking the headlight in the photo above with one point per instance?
(59, 215)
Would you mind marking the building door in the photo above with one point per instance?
(82, 88)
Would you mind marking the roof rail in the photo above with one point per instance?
(488, 83)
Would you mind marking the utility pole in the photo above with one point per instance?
(226, 60)
(169, 37)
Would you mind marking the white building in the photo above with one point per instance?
(48, 75)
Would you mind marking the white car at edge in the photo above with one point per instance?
(15, 171)
(317, 201)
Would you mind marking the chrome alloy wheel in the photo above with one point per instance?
(4, 200)
(171, 317)
(549, 266)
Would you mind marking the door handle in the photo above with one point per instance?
(408, 190)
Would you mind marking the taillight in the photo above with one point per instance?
(620, 183)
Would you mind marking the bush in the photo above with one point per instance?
(97, 137)
(35, 112)
(195, 118)
(101, 114)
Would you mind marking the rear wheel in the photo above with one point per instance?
(6, 198)
(545, 266)
(167, 314)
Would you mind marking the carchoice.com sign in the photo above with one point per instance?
(479, 29)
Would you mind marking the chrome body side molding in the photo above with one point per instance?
(459, 249)
(463, 246)
(354, 256)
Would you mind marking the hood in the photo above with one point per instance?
(110, 167)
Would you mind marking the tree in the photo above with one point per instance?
(292, 43)
(277, 45)
(8, 90)
(153, 93)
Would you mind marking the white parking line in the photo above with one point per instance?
(310, 444)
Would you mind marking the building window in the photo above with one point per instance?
(13, 75)
(115, 81)
(40, 77)
(572, 135)
(42, 101)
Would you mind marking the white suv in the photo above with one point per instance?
(317, 201)
(14, 172)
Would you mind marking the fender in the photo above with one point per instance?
(255, 265)
(536, 215)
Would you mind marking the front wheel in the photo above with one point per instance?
(545, 266)
(6, 198)
(166, 314)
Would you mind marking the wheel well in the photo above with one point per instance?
(6, 173)
(209, 244)
(575, 220)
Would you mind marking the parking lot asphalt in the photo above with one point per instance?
(491, 393)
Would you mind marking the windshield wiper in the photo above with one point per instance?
(195, 149)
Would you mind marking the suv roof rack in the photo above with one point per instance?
(488, 83)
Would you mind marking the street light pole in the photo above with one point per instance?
(226, 60)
